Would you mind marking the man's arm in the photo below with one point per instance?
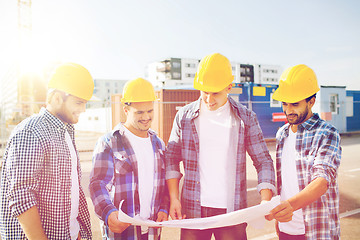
(175, 204)
(101, 175)
(313, 191)
(31, 224)
(266, 194)
(259, 153)
(26, 155)
(172, 159)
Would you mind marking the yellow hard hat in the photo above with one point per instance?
(296, 84)
(73, 79)
(214, 73)
(138, 90)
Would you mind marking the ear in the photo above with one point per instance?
(126, 110)
(312, 102)
(228, 88)
(56, 100)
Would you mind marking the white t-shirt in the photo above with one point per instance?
(214, 136)
(145, 160)
(74, 224)
(290, 185)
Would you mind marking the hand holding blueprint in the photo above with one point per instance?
(255, 216)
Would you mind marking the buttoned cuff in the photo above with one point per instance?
(20, 202)
(173, 174)
(163, 210)
(320, 172)
(106, 213)
(266, 185)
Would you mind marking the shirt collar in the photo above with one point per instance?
(196, 106)
(310, 123)
(120, 128)
(56, 121)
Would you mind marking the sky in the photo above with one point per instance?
(116, 39)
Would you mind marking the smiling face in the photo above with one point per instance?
(71, 108)
(64, 106)
(299, 112)
(139, 116)
(215, 100)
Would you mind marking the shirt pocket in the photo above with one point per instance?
(122, 163)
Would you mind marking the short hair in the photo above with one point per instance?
(309, 98)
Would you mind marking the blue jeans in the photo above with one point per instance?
(236, 232)
(285, 236)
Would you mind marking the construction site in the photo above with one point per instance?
(23, 93)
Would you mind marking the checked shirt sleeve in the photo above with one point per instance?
(25, 158)
(173, 151)
(101, 175)
(327, 159)
(260, 155)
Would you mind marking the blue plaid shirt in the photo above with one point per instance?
(115, 177)
(37, 172)
(318, 154)
(184, 146)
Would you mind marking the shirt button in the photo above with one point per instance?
(197, 200)
(197, 182)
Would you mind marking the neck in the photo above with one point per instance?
(136, 132)
(294, 128)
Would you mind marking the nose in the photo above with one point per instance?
(83, 108)
(209, 98)
(288, 109)
(145, 116)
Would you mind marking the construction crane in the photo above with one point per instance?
(24, 20)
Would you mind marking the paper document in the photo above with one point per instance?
(254, 216)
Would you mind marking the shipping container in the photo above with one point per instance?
(330, 104)
(258, 98)
(352, 111)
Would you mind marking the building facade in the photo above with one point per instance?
(172, 72)
(103, 90)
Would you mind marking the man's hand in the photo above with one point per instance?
(161, 216)
(282, 213)
(175, 209)
(115, 225)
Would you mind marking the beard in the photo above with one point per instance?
(295, 119)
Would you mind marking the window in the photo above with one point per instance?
(334, 103)
(190, 75)
(190, 65)
(176, 65)
(350, 106)
(176, 75)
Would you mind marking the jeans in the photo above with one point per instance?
(237, 232)
(284, 236)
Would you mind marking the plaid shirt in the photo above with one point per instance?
(184, 146)
(115, 177)
(37, 172)
(318, 154)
